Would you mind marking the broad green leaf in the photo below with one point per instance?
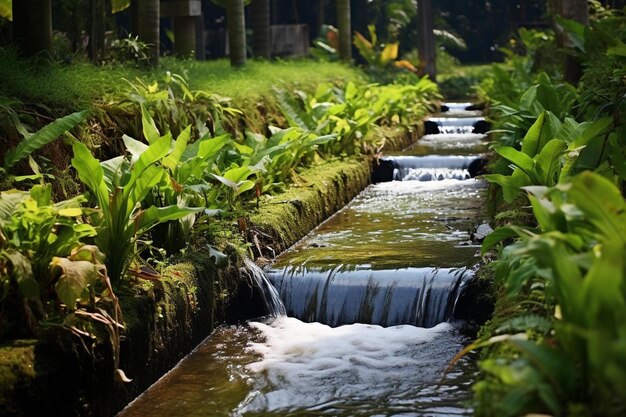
(548, 162)
(150, 131)
(172, 160)
(135, 147)
(42, 195)
(238, 174)
(154, 215)
(498, 236)
(90, 172)
(71, 212)
(112, 168)
(155, 152)
(521, 161)
(42, 137)
(575, 31)
(22, 272)
(602, 204)
(74, 280)
(210, 147)
(511, 185)
(538, 135)
(244, 186)
(141, 186)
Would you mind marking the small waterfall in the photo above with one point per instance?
(417, 296)
(271, 300)
(456, 125)
(455, 107)
(428, 168)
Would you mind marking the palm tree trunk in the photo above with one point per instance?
(261, 34)
(345, 30)
(426, 42)
(236, 32)
(577, 10)
(97, 29)
(32, 25)
(148, 25)
(185, 35)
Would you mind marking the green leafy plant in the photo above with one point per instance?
(381, 59)
(35, 141)
(120, 187)
(577, 255)
(549, 152)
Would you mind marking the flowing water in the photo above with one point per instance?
(369, 298)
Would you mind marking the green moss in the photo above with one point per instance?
(285, 218)
(17, 369)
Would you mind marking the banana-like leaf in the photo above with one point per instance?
(171, 161)
(548, 162)
(154, 153)
(42, 137)
(90, 172)
(154, 215)
(150, 131)
(521, 160)
(540, 133)
(135, 147)
(602, 203)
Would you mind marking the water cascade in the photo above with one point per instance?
(369, 295)
(270, 297)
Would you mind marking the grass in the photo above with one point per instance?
(258, 78)
(69, 87)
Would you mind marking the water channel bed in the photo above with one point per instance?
(396, 225)
(291, 368)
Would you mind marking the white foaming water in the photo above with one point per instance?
(314, 366)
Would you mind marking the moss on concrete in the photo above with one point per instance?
(17, 372)
(285, 218)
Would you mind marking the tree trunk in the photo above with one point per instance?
(148, 25)
(261, 34)
(577, 10)
(185, 35)
(426, 41)
(345, 30)
(97, 29)
(236, 32)
(321, 16)
(32, 25)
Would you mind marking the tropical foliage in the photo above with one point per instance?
(560, 152)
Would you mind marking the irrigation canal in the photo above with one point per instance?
(369, 298)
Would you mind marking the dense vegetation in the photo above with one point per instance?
(153, 164)
(556, 344)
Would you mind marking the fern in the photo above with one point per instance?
(295, 116)
(42, 137)
(538, 324)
